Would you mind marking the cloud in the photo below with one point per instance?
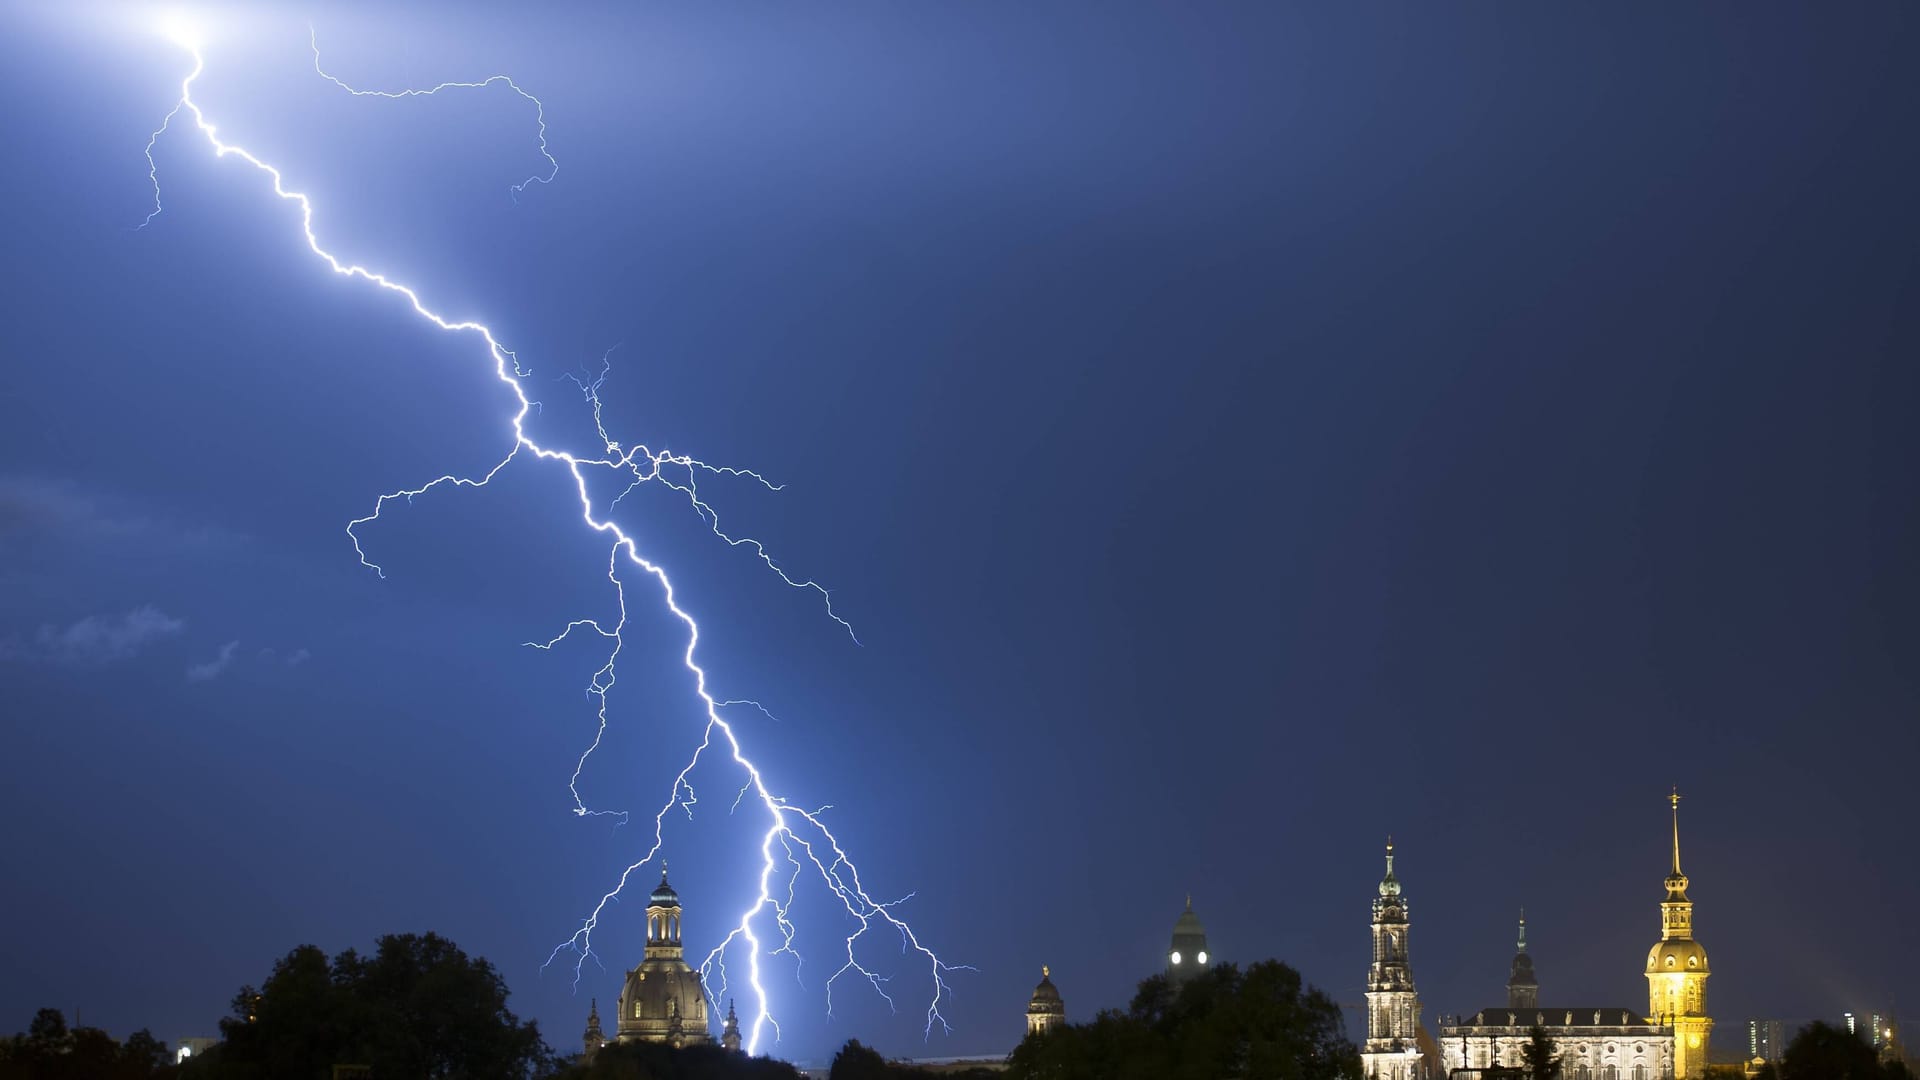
(298, 657)
(212, 668)
(96, 639)
(40, 506)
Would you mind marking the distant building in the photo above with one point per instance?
(1187, 953)
(662, 1000)
(1045, 1010)
(1767, 1039)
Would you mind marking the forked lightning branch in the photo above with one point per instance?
(796, 844)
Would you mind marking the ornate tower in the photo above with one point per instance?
(730, 1034)
(1187, 953)
(1045, 1010)
(1392, 1050)
(593, 1039)
(1523, 992)
(662, 999)
(1677, 972)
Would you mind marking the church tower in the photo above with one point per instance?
(1045, 1010)
(1187, 953)
(1677, 972)
(1523, 991)
(1392, 1050)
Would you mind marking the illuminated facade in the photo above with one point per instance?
(1677, 972)
(1594, 1044)
(1392, 1050)
(1045, 1010)
(1187, 952)
(662, 1000)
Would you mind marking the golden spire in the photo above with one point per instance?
(1044, 973)
(1674, 798)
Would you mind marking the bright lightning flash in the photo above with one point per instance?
(801, 836)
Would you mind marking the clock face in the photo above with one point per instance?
(1202, 957)
(1175, 957)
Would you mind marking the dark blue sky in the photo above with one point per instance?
(1237, 432)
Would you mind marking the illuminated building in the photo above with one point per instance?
(1593, 1044)
(1669, 1039)
(1045, 1010)
(662, 1000)
(1187, 953)
(1677, 972)
(1392, 1051)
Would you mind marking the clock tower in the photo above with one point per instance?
(1677, 972)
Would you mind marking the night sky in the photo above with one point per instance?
(1237, 432)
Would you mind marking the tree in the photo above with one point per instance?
(1538, 1058)
(1223, 1023)
(857, 1062)
(418, 1007)
(1823, 1052)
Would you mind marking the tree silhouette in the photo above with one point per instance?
(1223, 1023)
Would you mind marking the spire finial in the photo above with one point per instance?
(1189, 901)
(1523, 929)
(1674, 798)
(1045, 972)
(663, 871)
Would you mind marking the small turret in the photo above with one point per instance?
(593, 1039)
(730, 1035)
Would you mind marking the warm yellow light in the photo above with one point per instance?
(1693, 1042)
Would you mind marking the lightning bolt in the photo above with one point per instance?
(802, 836)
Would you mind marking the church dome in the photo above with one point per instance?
(1677, 955)
(662, 999)
(664, 896)
(1046, 996)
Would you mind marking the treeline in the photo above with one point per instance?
(50, 1050)
(1224, 1023)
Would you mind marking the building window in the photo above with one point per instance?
(636, 1010)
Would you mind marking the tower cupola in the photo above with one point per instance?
(1187, 952)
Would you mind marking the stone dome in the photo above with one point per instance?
(661, 1000)
(1046, 993)
(1677, 955)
